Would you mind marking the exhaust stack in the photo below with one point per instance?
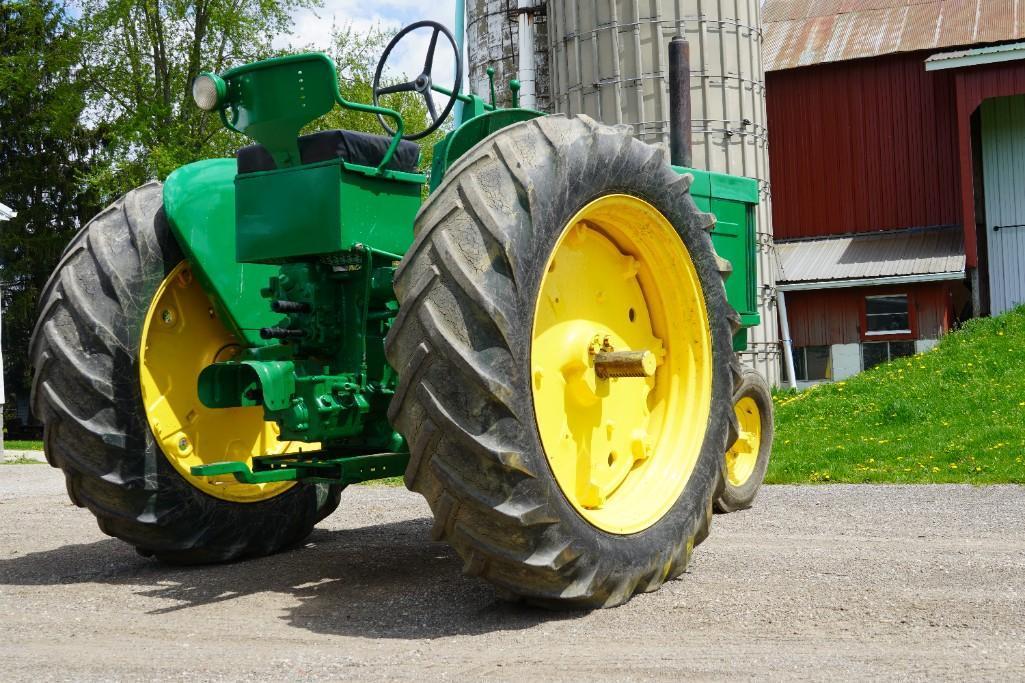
(679, 102)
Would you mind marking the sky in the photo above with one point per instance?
(313, 27)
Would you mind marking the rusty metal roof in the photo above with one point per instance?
(806, 32)
(938, 251)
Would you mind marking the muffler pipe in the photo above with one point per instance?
(679, 102)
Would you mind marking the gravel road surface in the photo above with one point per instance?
(851, 582)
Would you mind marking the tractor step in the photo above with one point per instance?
(315, 466)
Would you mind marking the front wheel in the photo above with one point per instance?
(123, 331)
(563, 346)
(748, 458)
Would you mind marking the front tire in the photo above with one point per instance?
(465, 346)
(87, 391)
(747, 460)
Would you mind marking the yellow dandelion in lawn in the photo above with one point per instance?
(953, 465)
(935, 469)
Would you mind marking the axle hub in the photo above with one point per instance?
(609, 364)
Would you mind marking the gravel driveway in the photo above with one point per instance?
(920, 582)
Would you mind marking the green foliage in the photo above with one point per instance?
(356, 55)
(23, 445)
(953, 414)
(141, 58)
(44, 151)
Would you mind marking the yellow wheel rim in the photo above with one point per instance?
(180, 337)
(743, 455)
(621, 280)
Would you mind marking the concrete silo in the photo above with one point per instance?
(497, 33)
(609, 59)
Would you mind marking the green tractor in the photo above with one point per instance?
(544, 348)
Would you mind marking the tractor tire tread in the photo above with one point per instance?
(466, 410)
(84, 350)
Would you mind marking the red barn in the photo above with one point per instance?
(897, 158)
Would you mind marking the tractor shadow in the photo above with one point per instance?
(382, 581)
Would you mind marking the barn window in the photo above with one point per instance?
(874, 353)
(811, 363)
(887, 314)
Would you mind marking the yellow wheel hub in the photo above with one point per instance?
(743, 455)
(180, 337)
(621, 364)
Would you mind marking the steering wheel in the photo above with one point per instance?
(422, 83)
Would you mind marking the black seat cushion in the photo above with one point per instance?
(356, 148)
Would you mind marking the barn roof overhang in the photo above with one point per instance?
(871, 281)
(959, 59)
(872, 259)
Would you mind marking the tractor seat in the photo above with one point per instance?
(364, 149)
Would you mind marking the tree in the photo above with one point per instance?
(356, 54)
(44, 150)
(144, 54)
(142, 57)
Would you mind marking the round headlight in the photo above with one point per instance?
(208, 91)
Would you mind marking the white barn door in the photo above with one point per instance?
(1003, 169)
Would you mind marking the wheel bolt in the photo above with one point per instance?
(183, 444)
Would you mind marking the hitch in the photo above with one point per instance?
(317, 466)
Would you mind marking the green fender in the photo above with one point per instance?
(199, 201)
(454, 145)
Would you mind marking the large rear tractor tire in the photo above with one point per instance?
(124, 329)
(563, 348)
(748, 458)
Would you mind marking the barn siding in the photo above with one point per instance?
(869, 144)
(833, 316)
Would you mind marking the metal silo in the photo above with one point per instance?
(609, 59)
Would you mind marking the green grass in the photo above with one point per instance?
(387, 481)
(23, 445)
(953, 414)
